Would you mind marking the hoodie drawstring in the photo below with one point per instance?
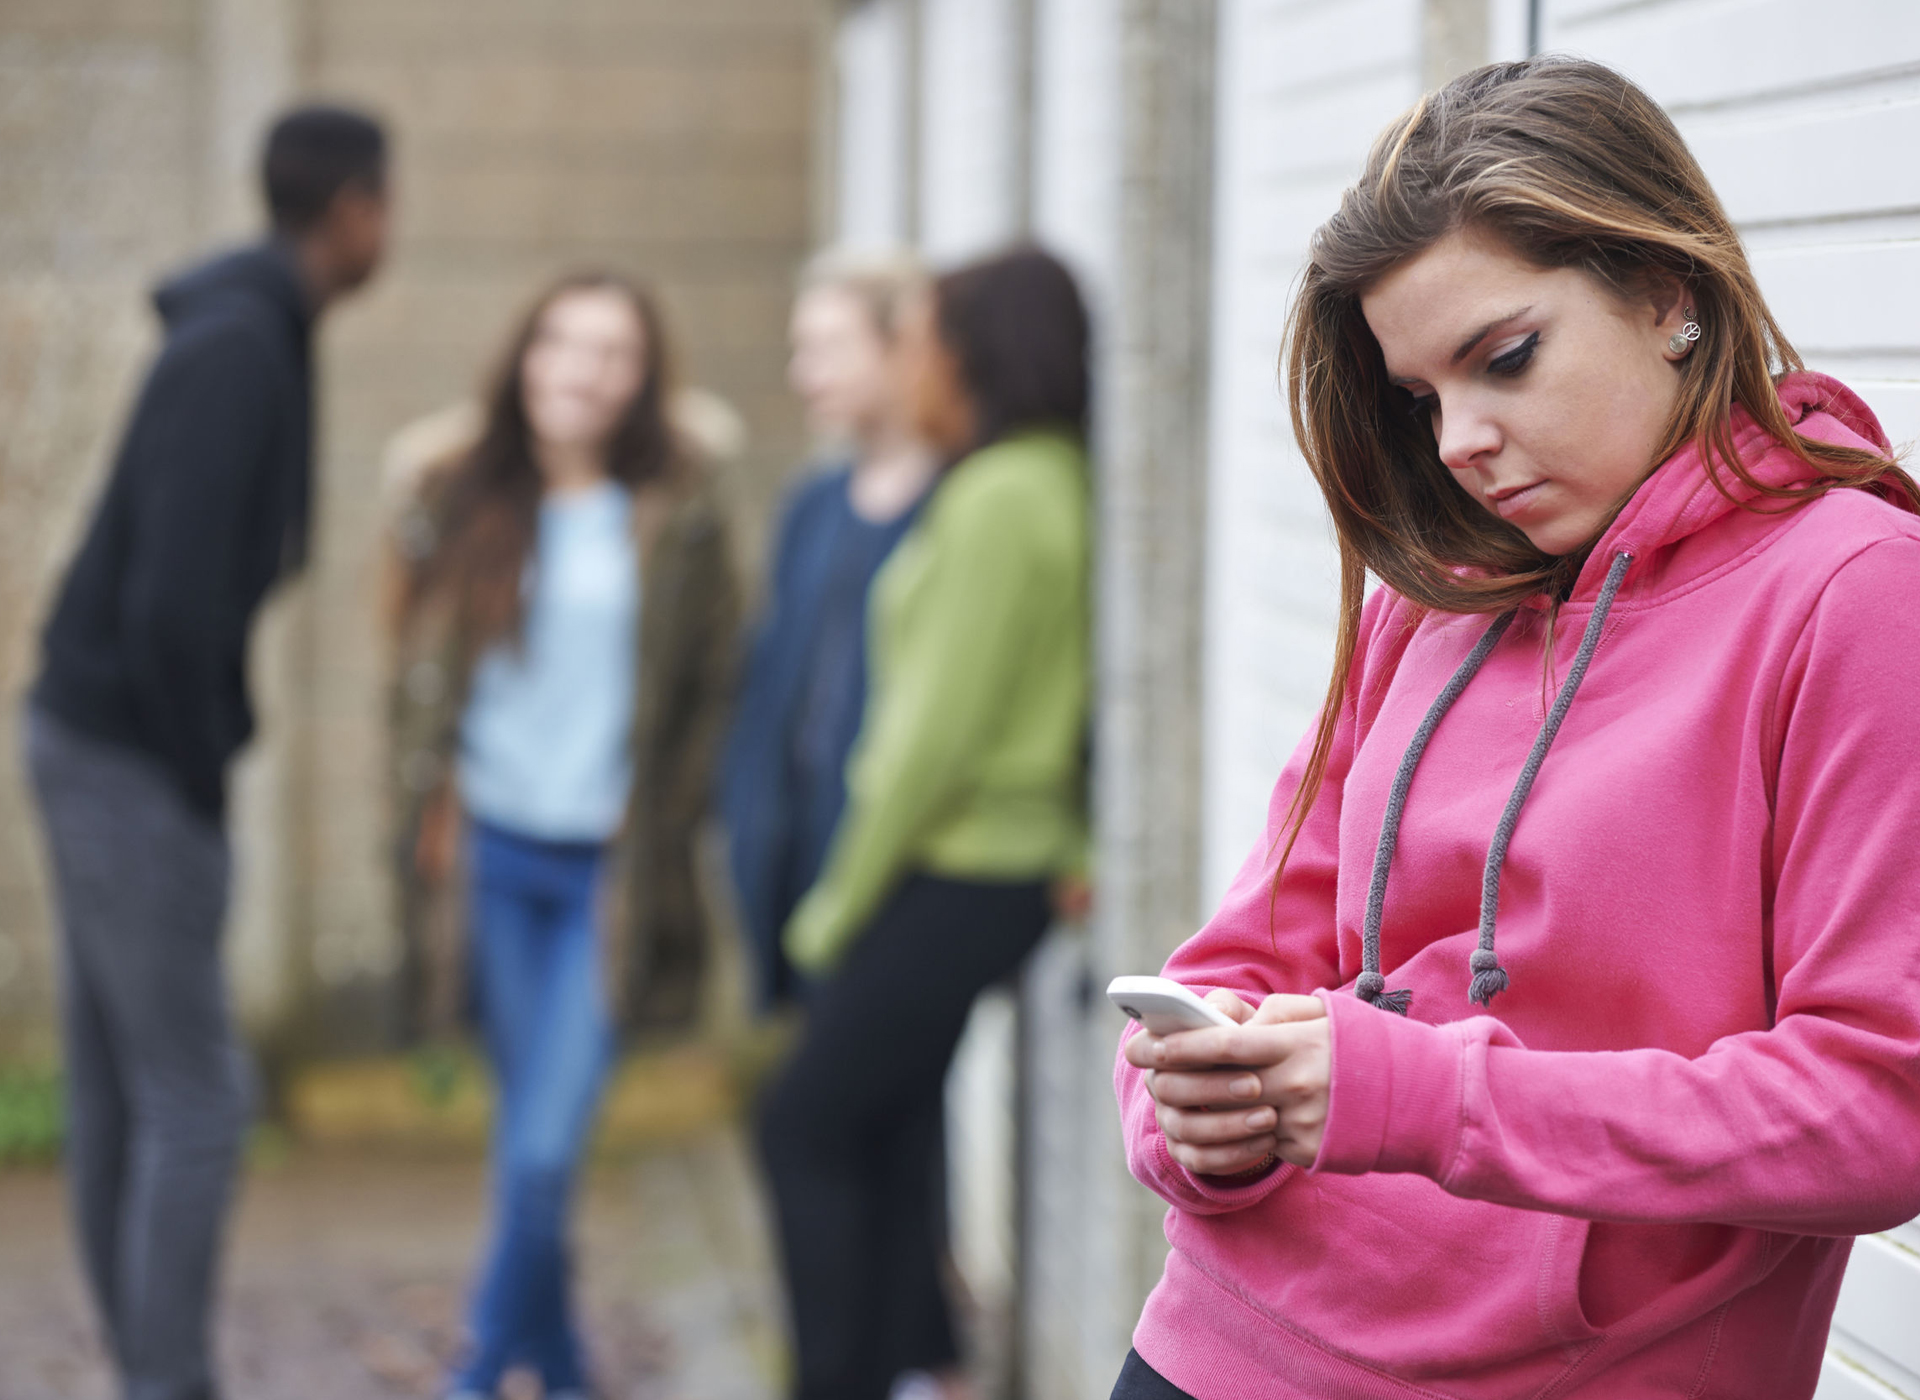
(1372, 986)
(1489, 978)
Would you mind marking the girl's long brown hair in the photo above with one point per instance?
(492, 500)
(1569, 165)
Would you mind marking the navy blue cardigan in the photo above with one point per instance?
(782, 787)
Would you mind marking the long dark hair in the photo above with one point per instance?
(492, 501)
(1570, 165)
(1018, 328)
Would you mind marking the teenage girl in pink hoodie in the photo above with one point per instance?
(1578, 971)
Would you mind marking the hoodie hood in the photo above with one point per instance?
(1682, 497)
(1639, 1174)
(244, 279)
(258, 284)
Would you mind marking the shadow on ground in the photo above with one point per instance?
(347, 1273)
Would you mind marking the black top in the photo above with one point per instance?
(206, 507)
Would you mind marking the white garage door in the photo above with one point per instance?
(972, 55)
(872, 164)
(1302, 90)
(1076, 138)
(1807, 120)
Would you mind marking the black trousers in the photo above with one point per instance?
(1139, 1381)
(159, 1092)
(850, 1132)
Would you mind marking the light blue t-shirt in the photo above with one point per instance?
(545, 744)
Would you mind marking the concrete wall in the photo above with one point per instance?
(669, 140)
(104, 179)
(665, 139)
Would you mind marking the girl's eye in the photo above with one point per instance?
(1515, 361)
(1419, 405)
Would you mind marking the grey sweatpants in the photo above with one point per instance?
(157, 1083)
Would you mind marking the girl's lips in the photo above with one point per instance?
(1509, 504)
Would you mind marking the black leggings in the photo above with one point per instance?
(1139, 1381)
(850, 1132)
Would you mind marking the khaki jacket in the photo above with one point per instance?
(653, 919)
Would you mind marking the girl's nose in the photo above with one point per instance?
(1466, 438)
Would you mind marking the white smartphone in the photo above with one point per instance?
(1164, 1006)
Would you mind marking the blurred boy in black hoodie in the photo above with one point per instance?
(141, 705)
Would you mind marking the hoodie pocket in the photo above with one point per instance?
(1393, 1272)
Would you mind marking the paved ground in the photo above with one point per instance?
(347, 1275)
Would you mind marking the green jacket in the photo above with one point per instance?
(971, 757)
(653, 919)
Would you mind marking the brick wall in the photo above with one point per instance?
(665, 139)
(98, 187)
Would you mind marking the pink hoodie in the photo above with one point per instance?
(1638, 1173)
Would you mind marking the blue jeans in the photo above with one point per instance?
(537, 970)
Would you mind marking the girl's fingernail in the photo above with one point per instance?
(1261, 1119)
(1245, 1087)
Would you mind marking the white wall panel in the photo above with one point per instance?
(1805, 119)
(1822, 157)
(1070, 1306)
(1302, 90)
(1701, 53)
(970, 126)
(958, 194)
(1877, 1324)
(1076, 137)
(872, 158)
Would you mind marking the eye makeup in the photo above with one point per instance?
(1510, 364)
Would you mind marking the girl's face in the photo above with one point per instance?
(843, 368)
(938, 401)
(587, 361)
(1547, 392)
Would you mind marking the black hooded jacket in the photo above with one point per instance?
(206, 507)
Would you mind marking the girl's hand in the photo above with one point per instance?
(1231, 1099)
(436, 848)
(1072, 898)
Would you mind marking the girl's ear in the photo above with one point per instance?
(1669, 301)
(1672, 306)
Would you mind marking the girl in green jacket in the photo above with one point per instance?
(965, 809)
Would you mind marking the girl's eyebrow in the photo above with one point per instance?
(1466, 346)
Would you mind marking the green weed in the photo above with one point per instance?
(32, 1114)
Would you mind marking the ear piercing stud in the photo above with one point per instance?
(1681, 341)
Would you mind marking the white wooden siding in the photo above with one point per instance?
(1070, 1344)
(871, 160)
(1076, 138)
(970, 125)
(1806, 120)
(1302, 89)
(971, 164)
